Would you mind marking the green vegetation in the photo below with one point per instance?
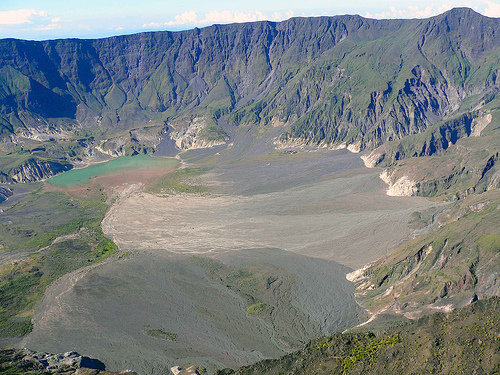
(19, 292)
(421, 219)
(40, 219)
(90, 247)
(181, 181)
(370, 350)
(463, 342)
(213, 133)
(42, 216)
(220, 101)
(325, 343)
(451, 263)
(160, 334)
(257, 308)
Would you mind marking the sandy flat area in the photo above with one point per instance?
(309, 220)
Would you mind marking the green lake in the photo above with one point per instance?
(78, 177)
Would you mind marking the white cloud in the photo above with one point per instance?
(152, 25)
(492, 9)
(20, 16)
(55, 23)
(191, 18)
(50, 26)
(410, 12)
(429, 11)
(187, 18)
(226, 16)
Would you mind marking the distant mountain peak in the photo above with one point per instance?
(327, 80)
(461, 12)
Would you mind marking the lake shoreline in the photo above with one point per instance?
(123, 165)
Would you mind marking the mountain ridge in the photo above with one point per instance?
(305, 74)
(421, 96)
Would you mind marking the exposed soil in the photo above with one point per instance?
(110, 181)
(310, 226)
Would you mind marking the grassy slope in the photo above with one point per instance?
(464, 342)
(458, 260)
(31, 226)
(446, 266)
(181, 181)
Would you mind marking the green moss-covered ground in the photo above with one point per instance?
(159, 333)
(181, 181)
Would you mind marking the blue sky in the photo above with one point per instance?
(50, 19)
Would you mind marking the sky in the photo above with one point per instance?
(53, 19)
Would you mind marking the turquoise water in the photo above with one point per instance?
(79, 177)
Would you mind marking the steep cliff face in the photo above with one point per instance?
(32, 170)
(135, 141)
(197, 132)
(445, 268)
(452, 158)
(328, 80)
(5, 193)
(436, 140)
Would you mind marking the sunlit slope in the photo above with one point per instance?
(463, 342)
(330, 79)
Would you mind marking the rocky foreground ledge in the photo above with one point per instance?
(22, 361)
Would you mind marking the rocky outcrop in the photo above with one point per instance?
(490, 174)
(454, 158)
(28, 361)
(44, 132)
(198, 134)
(480, 123)
(400, 187)
(187, 370)
(33, 170)
(134, 142)
(5, 193)
(455, 175)
(435, 141)
(446, 267)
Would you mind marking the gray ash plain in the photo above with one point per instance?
(252, 270)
